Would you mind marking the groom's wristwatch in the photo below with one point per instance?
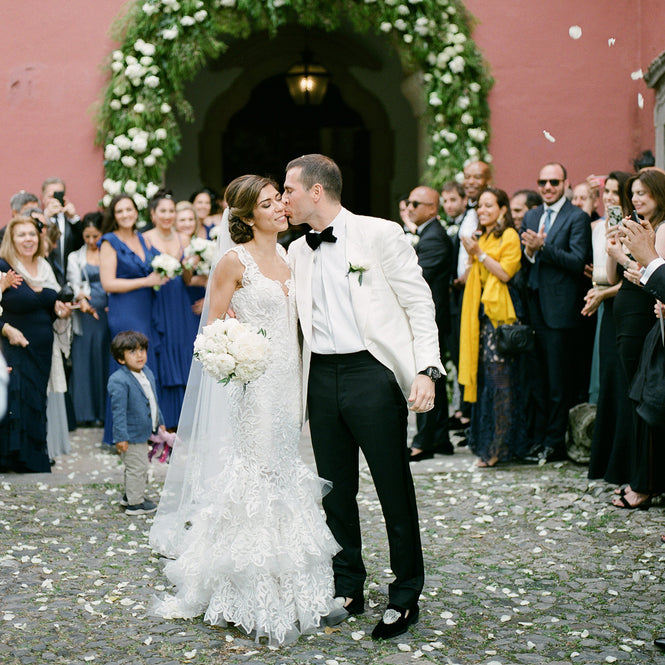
(432, 372)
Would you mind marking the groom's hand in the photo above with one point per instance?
(421, 398)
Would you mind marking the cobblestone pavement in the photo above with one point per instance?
(524, 565)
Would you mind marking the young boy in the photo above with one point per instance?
(136, 415)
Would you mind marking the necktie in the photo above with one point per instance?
(548, 220)
(314, 239)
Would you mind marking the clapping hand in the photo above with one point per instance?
(10, 279)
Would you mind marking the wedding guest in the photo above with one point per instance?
(21, 200)
(522, 201)
(434, 251)
(491, 380)
(610, 450)
(477, 177)
(27, 320)
(175, 323)
(188, 226)
(128, 278)
(59, 210)
(136, 415)
(586, 199)
(557, 241)
(207, 204)
(87, 384)
(633, 314)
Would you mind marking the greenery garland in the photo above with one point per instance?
(164, 43)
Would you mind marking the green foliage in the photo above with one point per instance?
(164, 43)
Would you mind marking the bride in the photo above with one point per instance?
(240, 512)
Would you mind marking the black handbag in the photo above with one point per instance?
(514, 338)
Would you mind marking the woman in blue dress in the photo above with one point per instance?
(127, 276)
(87, 383)
(173, 319)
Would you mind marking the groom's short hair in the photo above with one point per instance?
(319, 169)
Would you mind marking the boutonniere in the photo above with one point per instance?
(360, 269)
(413, 238)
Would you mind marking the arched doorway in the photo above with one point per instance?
(258, 142)
(246, 121)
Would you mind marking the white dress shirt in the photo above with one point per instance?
(651, 268)
(556, 209)
(147, 389)
(334, 326)
(467, 226)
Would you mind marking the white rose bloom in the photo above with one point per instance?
(463, 102)
(146, 60)
(133, 131)
(112, 187)
(130, 187)
(431, 160)
(434, 99)
(150, 160)
(457, 64)
(148, 49)
(199, 3)
(112, 152)
(152, 81)
(117, 55)
(439, 117)
(426, 77)
(447, 78)
(125, 99)
(141, 201)
(157, 152)
(165, 108)
(408, 38)
(139, 144)
(151, 189)
(130, 60)
(170, 33)
(115, 104)
(134, 71)
(400, 24)
(186, 21)
(403, 10)
(474, 87)
(386, 27)
(453, 28)
(226, 3)
(106, 200)
(459, 48)
(459, 38)
(391, 3)
(128, 161)
(201, 15)
(444, 152)
(160, 134)
(467, 119)
(117, 67)
(149, 9)
(139, 108)
(431, 58)
(122, 142)
(451, 137)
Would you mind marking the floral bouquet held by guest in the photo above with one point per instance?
(166, 266)
(230, 351)
(199, 255)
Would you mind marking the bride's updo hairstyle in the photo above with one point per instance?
(242, 195)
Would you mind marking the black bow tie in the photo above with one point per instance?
(315, 239)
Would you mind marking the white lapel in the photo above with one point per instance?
(357, 256)
(303, 276)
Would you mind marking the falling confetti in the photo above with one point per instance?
(548, 136)
(636, 76)
(611, 41)
(575, 31)
(640, 100)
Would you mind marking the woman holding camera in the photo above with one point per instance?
(31, 308)
(634, 317)
(490, 379)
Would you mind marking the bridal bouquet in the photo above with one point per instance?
(230, 351)
(167, 266)
(205, 251)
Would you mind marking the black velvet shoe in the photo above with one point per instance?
(395, 622)
(660, 643)
(445, 449)
(423, 454)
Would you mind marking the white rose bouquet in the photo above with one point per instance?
(230, 351)
(167, 266)
(202, 249)
(213, 234)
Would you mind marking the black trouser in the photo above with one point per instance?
(433, 425)
(355, 403)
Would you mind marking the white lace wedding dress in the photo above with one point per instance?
(258, 552)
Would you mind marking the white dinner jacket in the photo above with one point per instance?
(393, 306)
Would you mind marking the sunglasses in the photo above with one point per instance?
(555, 182)
(415, 204)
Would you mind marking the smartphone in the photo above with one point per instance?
(636, 217)
(59, 196)
(614, 215)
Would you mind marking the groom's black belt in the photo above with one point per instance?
(340, 358)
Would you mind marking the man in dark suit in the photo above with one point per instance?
(557, 241)
(61, 211)
(435, 257)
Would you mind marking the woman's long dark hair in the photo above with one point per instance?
(654, 182)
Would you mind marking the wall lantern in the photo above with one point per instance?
(307, 81)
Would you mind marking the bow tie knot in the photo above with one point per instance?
(314, 239)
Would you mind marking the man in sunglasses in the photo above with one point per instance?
(557, 242)
(435, 257)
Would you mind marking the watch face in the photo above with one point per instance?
(433, 373)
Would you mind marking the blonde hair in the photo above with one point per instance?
(8, 249)
(186, 205)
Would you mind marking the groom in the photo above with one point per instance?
(370, 345)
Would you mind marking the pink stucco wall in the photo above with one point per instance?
(579, 91)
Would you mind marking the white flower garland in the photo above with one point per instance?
(165, 42)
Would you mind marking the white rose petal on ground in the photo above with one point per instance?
(189, 654)
(575, 31)
(404, 647)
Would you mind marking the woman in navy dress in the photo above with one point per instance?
(128, 278)
(173, 319)
(29, 311)
(188, 225)
(87, 383)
